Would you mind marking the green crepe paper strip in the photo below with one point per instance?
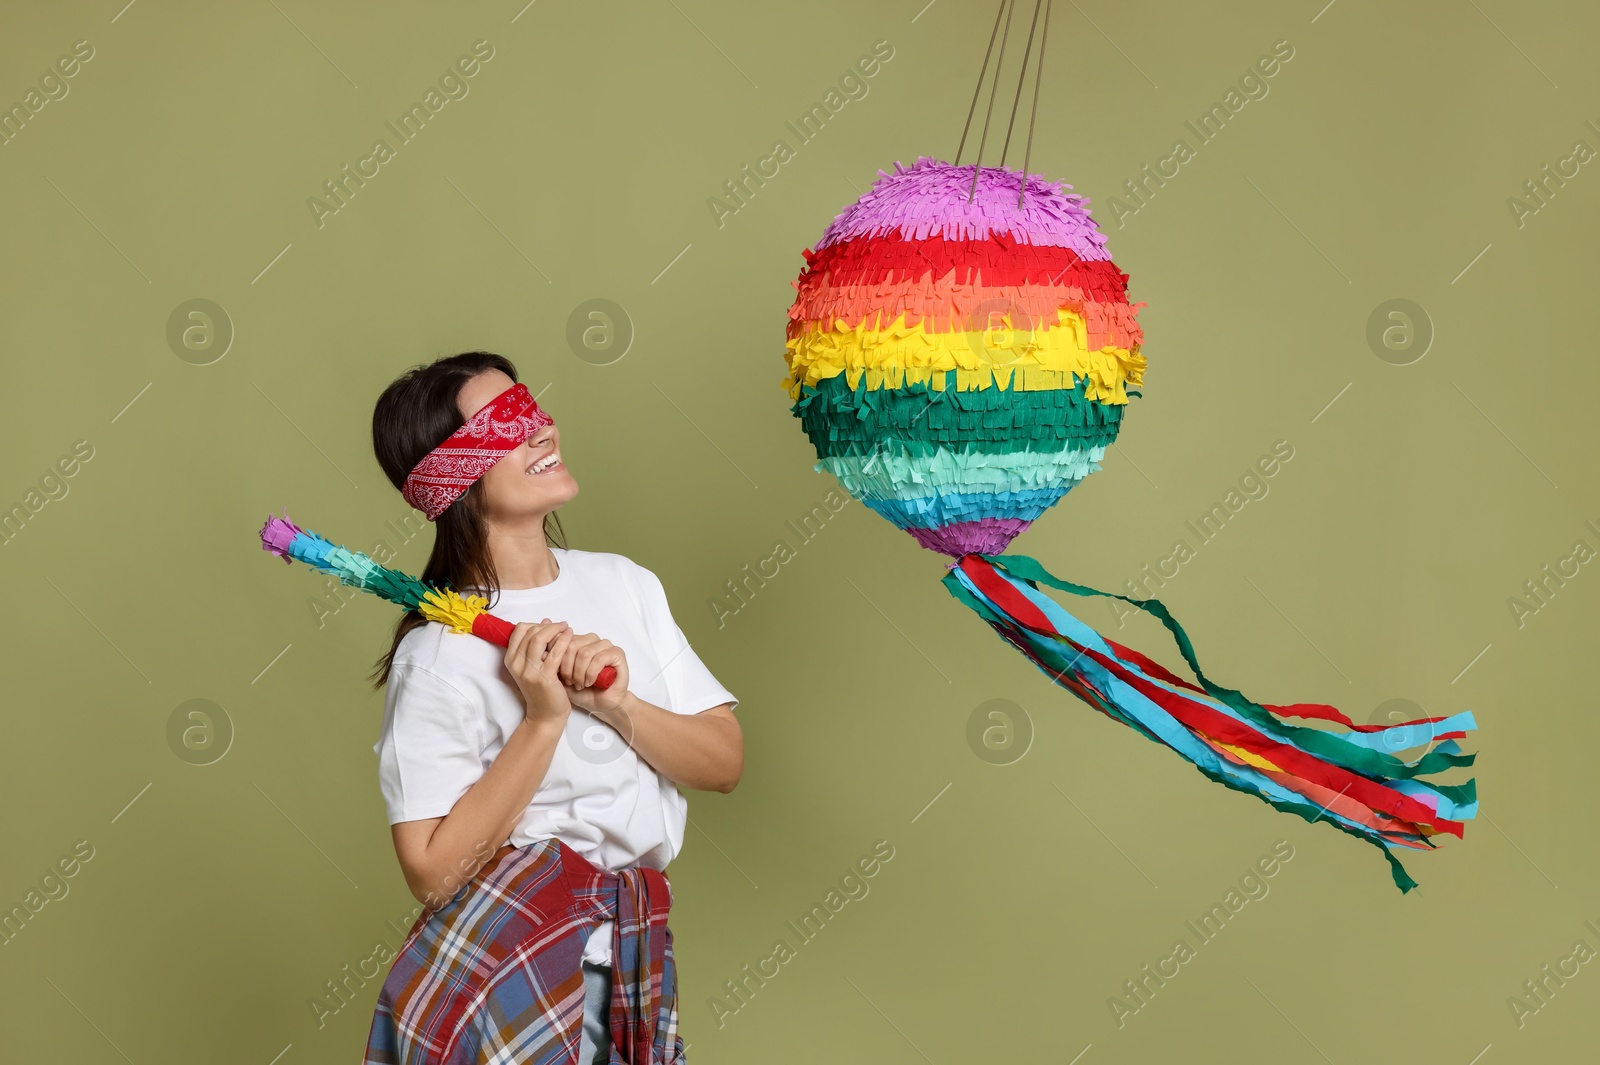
(1460, 794)
(842, 420)
(398, 586)
(1310, 814)
(891, 474)
(1328, 746)
(360, 568)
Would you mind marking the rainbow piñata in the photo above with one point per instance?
(960, 367)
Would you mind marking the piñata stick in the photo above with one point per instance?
(462, 613)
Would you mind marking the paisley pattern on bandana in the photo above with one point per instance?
(501, 425)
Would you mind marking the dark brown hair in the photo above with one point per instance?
(413, 416)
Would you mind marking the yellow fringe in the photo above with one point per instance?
(1054, 356)
(449, 607)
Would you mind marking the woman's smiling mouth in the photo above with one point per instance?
(548, 462)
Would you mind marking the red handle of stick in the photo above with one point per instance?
(498, 632)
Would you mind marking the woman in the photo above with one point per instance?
(531, 811)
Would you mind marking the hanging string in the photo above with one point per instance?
(1022, 75)
(1038, 76)
(977, 89)
(977, 164)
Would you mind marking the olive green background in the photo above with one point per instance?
(221, 898)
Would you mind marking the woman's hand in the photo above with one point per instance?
(586, 655)
(533, 657)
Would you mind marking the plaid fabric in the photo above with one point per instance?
(495, 975)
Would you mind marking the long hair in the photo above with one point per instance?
(414, 415)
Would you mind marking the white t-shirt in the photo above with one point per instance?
(450, 705)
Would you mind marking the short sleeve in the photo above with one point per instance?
(691, 687)
(429, 750)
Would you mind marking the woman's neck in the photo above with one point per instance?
(522, 558)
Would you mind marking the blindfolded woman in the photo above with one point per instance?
(533, 810)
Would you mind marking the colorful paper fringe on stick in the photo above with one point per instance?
(960, 363)
(462, 613)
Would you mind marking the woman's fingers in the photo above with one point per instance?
(577, 653)
(530, 643)
(517, 649)
(612, 657)
(554, 650)
(608, 655)
(565, 666)
(579, 669)
(546, 648)
(594, 660)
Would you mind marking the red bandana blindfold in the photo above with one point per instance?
(500, 426)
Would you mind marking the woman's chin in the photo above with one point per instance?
(559, 487)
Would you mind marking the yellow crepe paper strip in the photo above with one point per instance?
(449, 607)
(1054, 356)
(1248, 757)
(1251, 758)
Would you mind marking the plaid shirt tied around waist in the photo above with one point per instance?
(495, 975)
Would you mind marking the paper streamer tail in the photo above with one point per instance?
(1352, 781)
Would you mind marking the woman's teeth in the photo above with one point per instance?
(548, 462)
